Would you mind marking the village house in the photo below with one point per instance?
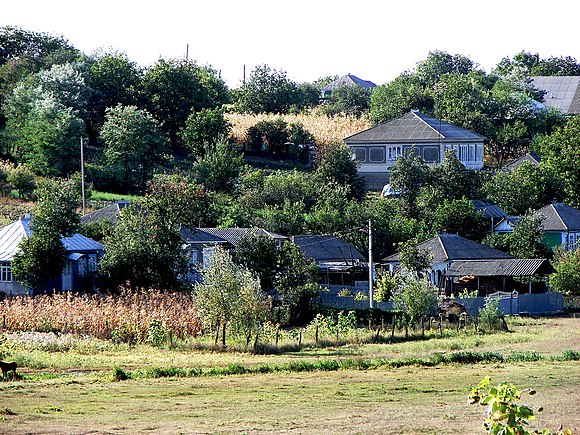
(459, 264)
(376, 149)
(81, 252)
(346, 80)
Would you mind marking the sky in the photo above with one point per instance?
(308, 39)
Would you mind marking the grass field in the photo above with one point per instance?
(73, 391)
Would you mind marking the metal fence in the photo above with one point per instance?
(509, 303)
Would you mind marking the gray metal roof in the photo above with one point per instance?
(347, 80)
(446, 247)
(489, 209)
(233, 235)
(562, 92)
(559, 217)
(110, 213)
(532, 158)
(499, 267)
(413, 127)
(328, 249)
(199, 236)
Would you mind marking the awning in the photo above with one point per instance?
(74, 256)
(500, 267)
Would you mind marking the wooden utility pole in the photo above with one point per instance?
(371, 294)
(83, 176)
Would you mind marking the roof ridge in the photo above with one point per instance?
(443, 247)
(559, 217)
(429, 125)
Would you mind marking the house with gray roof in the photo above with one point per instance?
(376, 149)
(561, 225)
(347, 80)
(110, 213)
(81, 252)
(561, 92)
(530, 158)
(339, 262)
(459, 263)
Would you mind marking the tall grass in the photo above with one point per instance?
(124, 318)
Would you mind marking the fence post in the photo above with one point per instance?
(277, 335)
(300, 338)
(393, 328)
(317, 332)
(441, 324)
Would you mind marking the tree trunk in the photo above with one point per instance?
(224, 335)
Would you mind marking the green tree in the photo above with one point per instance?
(452, 180)
(114, 80)
(525, 188)
(219, 170)
(349, 100)
(560, 153)
(203, 129)
(459, 216)
(413, 259)
(407, 177)
(268, 137)
(259, 254)
(566, 279)
(134, 143)
(295, 284)
(527, 238)
(41, 256)
(229, 295)
(335, 164)
(267, 91)
(175, 88)
(415, 297)
(144, 251)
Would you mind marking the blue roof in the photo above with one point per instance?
(11, 235)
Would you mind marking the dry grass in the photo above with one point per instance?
(326, 129)
(401, 401)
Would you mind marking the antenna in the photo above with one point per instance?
(187, 53)
(83, 175)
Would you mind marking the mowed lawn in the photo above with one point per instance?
(385, 400)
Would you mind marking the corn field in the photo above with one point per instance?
(326, 129)
(124, 318)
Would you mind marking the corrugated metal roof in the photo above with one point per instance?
(413, 127)
(498, 267)
(562, 92)
(559, 217)
(233, 235)
(110, 213)
(199, 236)
(328, 249)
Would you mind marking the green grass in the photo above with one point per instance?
(420, 386)
(105, 196)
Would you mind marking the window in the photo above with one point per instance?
(394, 153)
(92, 263)
(360, 154)
(376, 155)
(463, 153)
(5, 271)
(573, 239)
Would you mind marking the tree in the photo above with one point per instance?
(175, 88)
(295, 284)
(415, 297)
(203, 129)
(452, 180)
(335, 164)
(413, 259)
(41, 256)
(259, 254)
(134, 143)
(349, 100)
(267, 91)
(144, 251)
(566, 279)
(560, 153)
(229, 295)
(219, 169)
(459, 216)
(407, 177)
(527, 238)
(114, 80)
(526, 188)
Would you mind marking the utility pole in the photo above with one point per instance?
(371, 294)
(83, 175)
